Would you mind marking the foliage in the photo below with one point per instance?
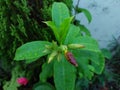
(109, 79)
(69, 38)
(115, 61)
(79, 10)
(12, 85)
(21, 22)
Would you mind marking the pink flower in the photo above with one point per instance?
(22, 81)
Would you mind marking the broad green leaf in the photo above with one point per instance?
(64, 27)
(47, 71)
(73, 32)
(59, 13)
(64, 74)
(43, 86)
(87, 14)
(74, 36)
(82, 59)
(54, 28)
(100, 58)
(85, 30)
(31, 50)
(89, 43)
(89, 62)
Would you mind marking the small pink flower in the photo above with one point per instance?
(22, 81)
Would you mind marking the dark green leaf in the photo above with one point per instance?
(47, 71)
(82, 83)
(64, 74)
(89, 62)
(43, 86)
(87, 14)
(31, 50)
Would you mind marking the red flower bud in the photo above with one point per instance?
(69, 56)
(22, 81)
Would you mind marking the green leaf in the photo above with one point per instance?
(98, 62)
(43, 86)
(89, 62)
(54, 29)
(64, 74)
(59, 13)
(31, 50)
(89, 43)
(47, 71)
(85, 30)
(73, 32)
(60, 21)
(60, 32)
(64, 27)
(87, 14)
(83, 63)
(74, 37)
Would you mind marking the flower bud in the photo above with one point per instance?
(63, 47)
(69, 56)
(46, 51)
(22, 81)
(48, 46)
(75, 46)
(51, 56)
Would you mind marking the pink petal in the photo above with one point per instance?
(22, 81)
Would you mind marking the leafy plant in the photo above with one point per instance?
(72, 55)
(21, 22)
(79, 10)
(99, 82)
(12, 84)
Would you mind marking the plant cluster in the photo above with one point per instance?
(73, 55)
(56, 57)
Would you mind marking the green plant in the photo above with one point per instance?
(73, 55)
(21, 22)
(99, 82)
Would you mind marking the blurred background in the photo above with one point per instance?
(105, 19)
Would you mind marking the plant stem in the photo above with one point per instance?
(77, 5)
